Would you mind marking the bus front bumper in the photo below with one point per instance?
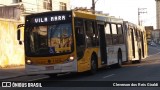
(55, 69)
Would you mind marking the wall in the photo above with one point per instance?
(10, 12)
(33, 6)
(56, 4)
(11, 53)
(6, 2)
(156, 36)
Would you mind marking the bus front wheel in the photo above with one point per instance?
(93, 65)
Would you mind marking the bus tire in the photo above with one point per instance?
(119, 64)
(94, 65)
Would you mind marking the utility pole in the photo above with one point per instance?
(141, 11)
(93, 6)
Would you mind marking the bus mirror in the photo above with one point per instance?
(20, 42)
(18, 35)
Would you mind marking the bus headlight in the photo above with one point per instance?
(28, 62)
(71, 58)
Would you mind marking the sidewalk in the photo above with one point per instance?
(7, 73)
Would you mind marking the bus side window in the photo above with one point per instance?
(119, 29)
(96, 35)
(114, 34)
(79, 32)
(136, 34)
(120, 34)
(90, 33)
(108, 34)
(80, 37)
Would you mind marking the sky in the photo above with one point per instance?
(126, 9)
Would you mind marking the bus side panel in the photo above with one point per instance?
(112, 52)
(144, 43)
(129, 45)
(85, 63)
(132, 44)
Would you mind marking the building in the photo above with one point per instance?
(18, 9)
(149, 30)
(61, 5)
(156, 36)
(158, 13)
(35, 6)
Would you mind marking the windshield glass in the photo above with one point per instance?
(50, 40)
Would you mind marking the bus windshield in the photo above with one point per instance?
(49, 39)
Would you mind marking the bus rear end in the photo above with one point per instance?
(49, 45)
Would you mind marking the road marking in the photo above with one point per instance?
(38, 78)
(109, 76)
(63, 74)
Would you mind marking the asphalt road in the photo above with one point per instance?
(148, 70)
(133, 72)
(153, 49)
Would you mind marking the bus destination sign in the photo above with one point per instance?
(46, 19)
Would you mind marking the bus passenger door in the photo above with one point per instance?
(133, 43)
(102, 44)
(142, 43)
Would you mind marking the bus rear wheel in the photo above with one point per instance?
(119, 61)
(119, 64)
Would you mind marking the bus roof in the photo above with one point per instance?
(48, 13)
(81, 14)
(99, 17)
(138, 27)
